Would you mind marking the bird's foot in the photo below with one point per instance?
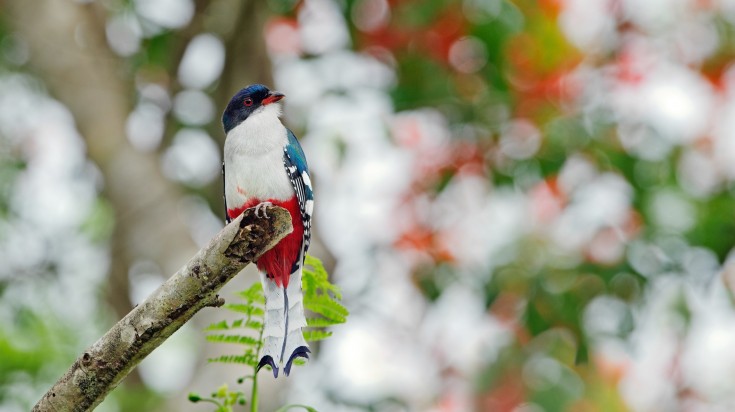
(262, 206)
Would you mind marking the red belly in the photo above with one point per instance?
(278, 261)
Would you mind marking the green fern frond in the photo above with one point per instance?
(247, 359)
(319, 322)
(322, 299)
(237, 324)
(327, 307)
(316, 335)
(218, 326)
(240, 340)
(246, 308)
(254, 325)
(315, 279)
(253, 294)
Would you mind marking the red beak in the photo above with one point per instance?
(273, 97)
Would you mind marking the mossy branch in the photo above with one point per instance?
(103, 365)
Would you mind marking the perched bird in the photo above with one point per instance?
(265, 165)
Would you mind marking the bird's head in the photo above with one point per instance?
(246, 102)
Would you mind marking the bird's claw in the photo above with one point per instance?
(262, 207)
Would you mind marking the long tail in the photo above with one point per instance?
(284, 318)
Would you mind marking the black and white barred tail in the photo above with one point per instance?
(283, 340)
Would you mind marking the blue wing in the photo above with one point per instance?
(224, 194)
(298, 172)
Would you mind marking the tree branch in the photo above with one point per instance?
(103, 365)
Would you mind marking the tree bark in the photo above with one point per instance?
(103, 365)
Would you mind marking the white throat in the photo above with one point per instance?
(254, 159)
(260, 133)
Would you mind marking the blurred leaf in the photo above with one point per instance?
(100, 222)
(715, 229)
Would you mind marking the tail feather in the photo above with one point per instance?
(300, 352)
(267, 360)
(283, 340)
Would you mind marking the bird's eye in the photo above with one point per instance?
(248, 102)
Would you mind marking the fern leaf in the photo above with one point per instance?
(241, 340)
(327, 307)
(320, 322)
(320, 278)
(316, 335)
(245, 308)
(218, 326)
(254, 325)
(241, 359)
(317, 267)
(239, 323)
(253, 294)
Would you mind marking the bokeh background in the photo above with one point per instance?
(528, 204)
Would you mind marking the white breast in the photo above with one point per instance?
(254, 159)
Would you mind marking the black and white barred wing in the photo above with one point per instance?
(298, 172)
